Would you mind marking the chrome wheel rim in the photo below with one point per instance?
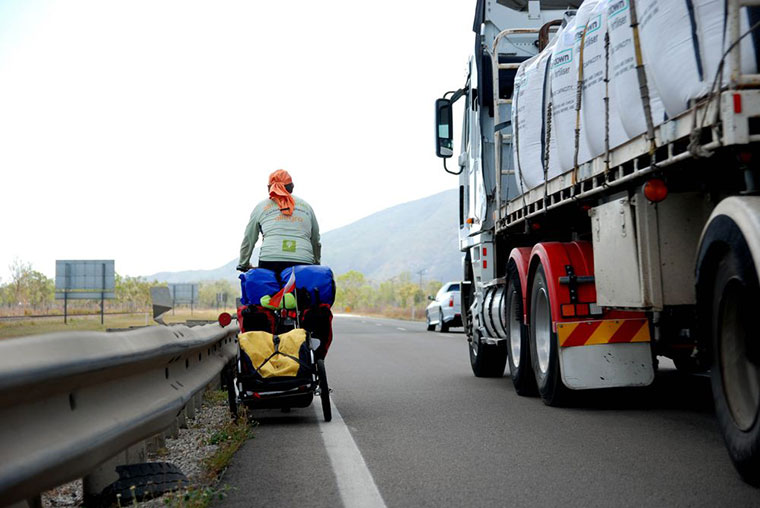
(741, 377)
(514, 329)
(543, 330)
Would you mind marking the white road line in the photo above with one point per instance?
(402, 329)
(355, 483)
(378, 324)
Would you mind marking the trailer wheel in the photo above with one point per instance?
(228, 374)
(736, 357)
(544, 345)
(518, 339)
(324, 391)
(487, 360)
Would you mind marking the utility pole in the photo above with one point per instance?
(420, 274)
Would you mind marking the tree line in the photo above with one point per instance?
(399, 296)
(29, 291)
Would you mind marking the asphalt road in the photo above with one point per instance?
(418, 429)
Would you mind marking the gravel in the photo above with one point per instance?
(187, 451)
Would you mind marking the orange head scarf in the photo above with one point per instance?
(279, 194)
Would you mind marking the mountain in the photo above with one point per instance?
(414, 236)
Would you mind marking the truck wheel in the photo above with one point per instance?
(518, 339)
(736, 358)
(487, 360)
(544, 345)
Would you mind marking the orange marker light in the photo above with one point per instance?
(655, 190)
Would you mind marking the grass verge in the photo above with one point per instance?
(229, 438)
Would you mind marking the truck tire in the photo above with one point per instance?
(736, 357)
(487, 360)
(518, 338)
(544, 345)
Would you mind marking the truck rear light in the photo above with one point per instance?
(655, 190)
(737, 103)
(485, 264)
(576, 310)
(451, 302)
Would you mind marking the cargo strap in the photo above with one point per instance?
(643, 86)
(276, 342)
(578, 100)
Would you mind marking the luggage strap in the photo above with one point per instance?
(276, 342)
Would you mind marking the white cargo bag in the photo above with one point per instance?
(564, 84)
(594, 118)
(683, 44)
(624, 82)
(530, 101)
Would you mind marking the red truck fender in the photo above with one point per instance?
(555, 257)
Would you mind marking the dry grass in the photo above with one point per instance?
(36, 326)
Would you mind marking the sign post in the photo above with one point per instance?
(84, 280)
(184, 293)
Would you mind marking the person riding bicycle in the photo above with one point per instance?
(287, 225)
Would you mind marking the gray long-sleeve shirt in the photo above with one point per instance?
(285, 238)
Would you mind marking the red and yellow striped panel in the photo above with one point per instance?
(606, 331)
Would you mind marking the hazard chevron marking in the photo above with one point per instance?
(606, 331)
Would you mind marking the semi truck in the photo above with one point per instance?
(609, 199)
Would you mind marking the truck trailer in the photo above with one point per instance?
(609, 199)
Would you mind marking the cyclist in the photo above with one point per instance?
(288, 226)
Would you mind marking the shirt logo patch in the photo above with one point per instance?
(288, 245)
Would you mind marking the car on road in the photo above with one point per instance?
(444, 310)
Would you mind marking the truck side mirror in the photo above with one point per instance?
(444, 129)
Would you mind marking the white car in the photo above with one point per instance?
(444, 310)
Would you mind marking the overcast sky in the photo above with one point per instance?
(144, 131)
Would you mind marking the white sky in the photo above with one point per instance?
(144, 131)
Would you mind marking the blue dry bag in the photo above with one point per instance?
(316, 279)
(256, 283)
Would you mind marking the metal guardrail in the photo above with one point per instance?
(70, 401)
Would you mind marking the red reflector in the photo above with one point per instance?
(256, 395)
(485, 264)
(568, 310)
(451, 302)
(485, 252)
(535, 226)
(737, 103)
(582, 309)
(745, 157)
(224, 319)
(655, 190)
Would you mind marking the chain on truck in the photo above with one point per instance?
(609, 199)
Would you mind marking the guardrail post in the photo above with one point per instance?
(182, 418)
(173, 430)
(155, 443)
(190, 408)
(105, 474)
